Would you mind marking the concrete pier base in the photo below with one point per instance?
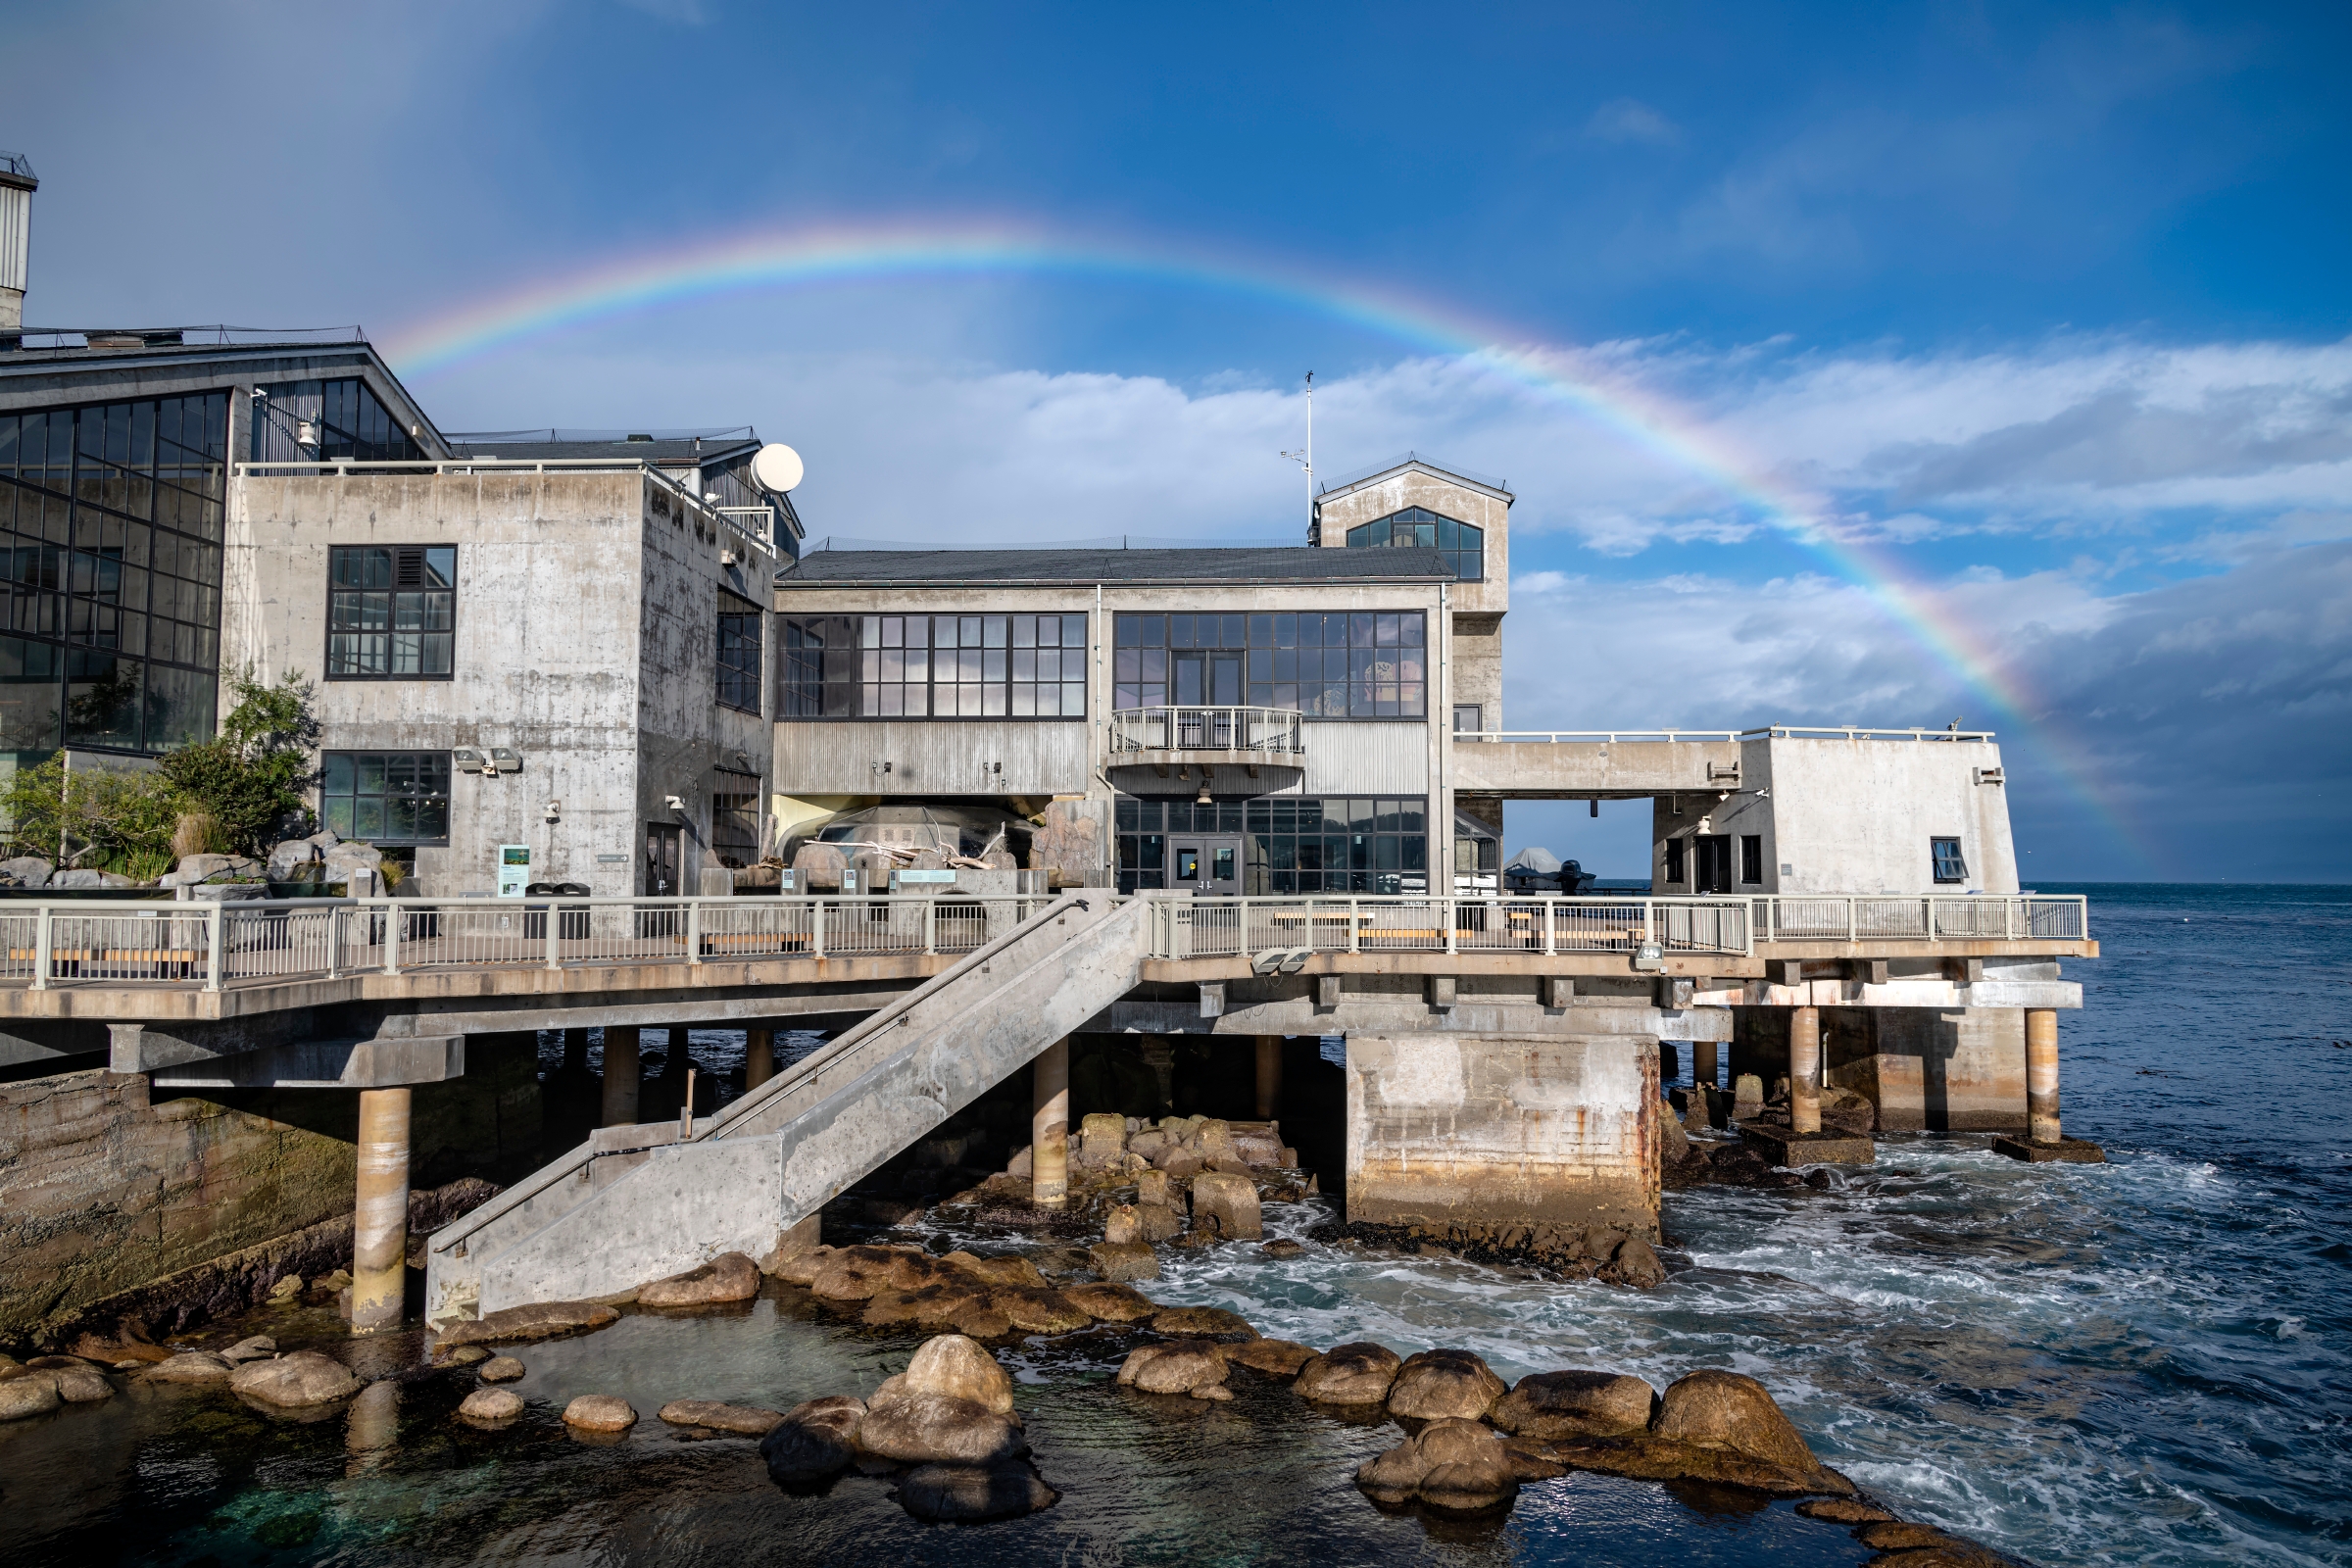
(624, 1076)
(1050, 1127)
(759, 1056)
(379, 1238)
(2066, 1151)
(1785, 1148)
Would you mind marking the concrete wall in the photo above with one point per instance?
(1492, 1127)
(1840, 817)
(933, 757)
(1960, 1070)
(1414, 486)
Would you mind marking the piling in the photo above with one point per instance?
(1805, 1070)
(759, 1056)
(1050, 1127)
(1269, 1075)
(2041, 1076)
(624, 1075)
(379, 1242)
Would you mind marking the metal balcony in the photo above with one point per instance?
(1272, 734)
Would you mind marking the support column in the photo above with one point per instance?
(1670, 1063)
(759, 1056)
(1269, 1075)
(2041, 1075)
(1050, 1127)
(623, 1076)
(1704, 1062)
(379, 1231)
(1805, 1070)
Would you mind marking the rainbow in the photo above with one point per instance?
(814, 257)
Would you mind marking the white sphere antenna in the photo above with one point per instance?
(778, 467)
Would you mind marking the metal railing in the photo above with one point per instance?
(1610, 736)
(229, 943)
(1248, 927)
(1273, 730)
(1958, 917)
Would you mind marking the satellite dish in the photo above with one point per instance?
(778, 467)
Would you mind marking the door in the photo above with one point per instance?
(1206, 865)
(662, 847)
(1714, 863)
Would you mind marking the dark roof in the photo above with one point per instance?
(1288, 564)
(663, 450)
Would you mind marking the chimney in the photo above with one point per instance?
(16, 187)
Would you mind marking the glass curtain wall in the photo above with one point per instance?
(1325, 664)
(1290, 845)
(934, 666)
(109, 517)
(301, 421)
(1462, 544)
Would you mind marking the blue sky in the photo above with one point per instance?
(2043, 306)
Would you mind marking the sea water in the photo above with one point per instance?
(2143, 1362)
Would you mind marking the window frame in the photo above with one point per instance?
(755, 679)
(1674, 872)
(812, 675)
(1751, 860)
(446, 797)
(1274, 671)
(1943, 851)
(333, 554)
(1360, 537)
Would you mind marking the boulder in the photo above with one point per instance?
(1350, 1374)
(599, 1412)
(1229, 1203)
(469, 1355)
(500, 1369)
(1842, 1510)
(491, 1405)
(728, 1277)
(1149, 1145)
(965, 1492)
(1187, 1366)
(1548, 1405)
(1276, 1358)
(259, 1348)
(1150, 1185)
(1747, 1097)
(82, 1385)
(1211, 1321)
(294, 861)
(1636, 1264)
(539, 1320)
(1281, 1249)
(27, 871)
(1674, 1145)
(929, 1427)
(295, 1381)
(854, 1274)
(750, 1420)
(190, 1366)
(1444, 1385)
(803, 1268)
(1453, 1466)
(79, 878)
(1715, 1427)
(953, 1365)
(32, 1394)
(1120, 1226)
(1178, 1162)
(1038, 1309)
(932, 1306)
(814, 1440)
(1158, 1222)
(997, 1271)
(1110, 1303)
(1715, 1409)
(1124, 1261)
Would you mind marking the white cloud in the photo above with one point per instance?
(1624, 119)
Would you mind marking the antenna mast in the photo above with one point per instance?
(1305, 458)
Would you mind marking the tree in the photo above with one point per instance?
(254, 773)
(121, 821)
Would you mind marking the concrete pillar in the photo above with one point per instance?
(759, 1056)
(623, 1076)
(2041, 1075)
(1050, 1127)
(1704, 1064)
(1805, 1070)
(379, 1230)
(1269, 1075)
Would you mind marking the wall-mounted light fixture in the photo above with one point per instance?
(554, 810)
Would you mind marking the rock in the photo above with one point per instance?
(1453, 1466)
(1747, 1097)
(295, 860)
(78, 879)
(1120, 1226)
(1715, 1409)
(1151, 1186)
(1159, 1222)
(1212, 1322)
(1674, 1146)
(467, 1354)
(82, 1385)
(1193, 1241)
(500, 1369)
(27, 871)
(1444, 1385)
(1229, 1203)
(1350, 1374)
(952, 1364)
(1842, 1510)
(1276, 1358)
(803, 1268)
(962, 1493)
(1187, 1366)
(540, 1320)
(1127, 1260)
(750, 1420)
(1038, 1309)
(1178, 1162)
(1102, 1124)
(261, 1347)
(728, 1277)
(1281, 1248)
(933, 1306)
(1636, 1264)
(491, 1405)
(190, 1366)
(854, 1274)
(35, 1394)
(1023, 1162)
(1148, 1144)
(997, 1271)
(814, 1440)
(599, 1412)
(1548, 1405)
(295, 1381)
(1110, 1303)
(930, 1427)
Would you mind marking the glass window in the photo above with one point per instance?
(339, 420)
(739, 653)
(1949, 866)
(1751, 858)
(392, 612)
(1674, 861)
(1326, 666)
(387, 797)
(936, 667)
(1462, 544)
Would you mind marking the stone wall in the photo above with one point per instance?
(1486, 1128)
(106, 1186)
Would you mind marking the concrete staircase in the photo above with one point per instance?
(635, 1204)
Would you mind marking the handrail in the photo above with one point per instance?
(1851, 733)
(1211, 727)
(1854, 917)
(1254, 926)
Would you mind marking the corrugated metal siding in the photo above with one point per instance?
(931, 756)
(1359, 758)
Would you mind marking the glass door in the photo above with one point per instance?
(1714, 863)
(1207, 866)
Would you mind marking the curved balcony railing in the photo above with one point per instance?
(1273, 731)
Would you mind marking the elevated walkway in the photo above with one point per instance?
(1580, 765)
(636, 1204)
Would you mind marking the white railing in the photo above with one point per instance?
(1274, 730)
(1231, 928)
(217, 945)
(1958, 917)
(1611, 737)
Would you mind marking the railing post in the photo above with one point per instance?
(218, 944)
(43, 945)
(1851, 916)
(334, 942)
(694, 931)
(555, 935)
(1453, 936)
(930, 925)
(1356, 935)
(1551, 935)
(391, 937)
(1649, 920)
(816, 928)
(2009, 918)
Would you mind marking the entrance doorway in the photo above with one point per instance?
(1208, 678)
(662, 855)
(1714, 863)
(1207, 867)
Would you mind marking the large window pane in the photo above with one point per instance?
(391, 611)
(387, 797)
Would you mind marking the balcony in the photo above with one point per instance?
(1159, 751)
